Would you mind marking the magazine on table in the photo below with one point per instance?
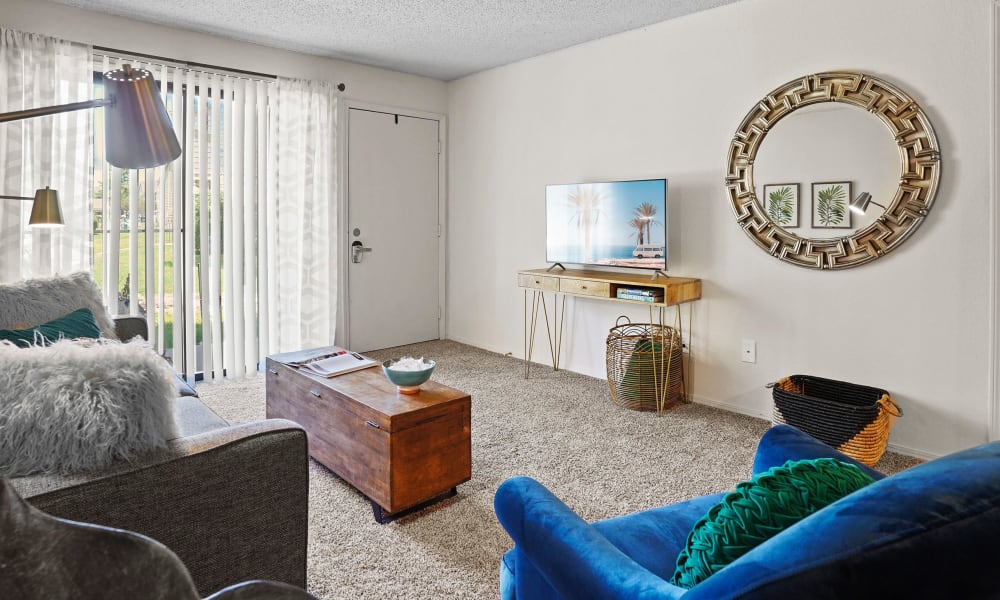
(345, 362)
(336, 361)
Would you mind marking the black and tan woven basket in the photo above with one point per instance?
(855, 419)
(645, 366)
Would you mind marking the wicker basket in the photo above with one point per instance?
(854, 419)
(645, 366)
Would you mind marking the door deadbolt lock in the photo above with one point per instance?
(358, 251)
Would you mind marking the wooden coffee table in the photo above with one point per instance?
(401, 451)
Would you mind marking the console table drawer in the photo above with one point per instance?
(585, 287)
(541, 282)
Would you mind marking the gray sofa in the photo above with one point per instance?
(230, 500)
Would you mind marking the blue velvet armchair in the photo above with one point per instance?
(929, 531)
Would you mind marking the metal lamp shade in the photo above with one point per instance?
(45, 209)
(137, 131)
(860, 204)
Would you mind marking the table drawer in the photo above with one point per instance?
(585, 287)
(540, 282)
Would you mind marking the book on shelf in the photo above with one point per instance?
(642, 291)
(629, 295)
(330, 362)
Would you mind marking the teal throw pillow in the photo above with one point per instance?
(761, 508)
(77, 324)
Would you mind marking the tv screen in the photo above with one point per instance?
(614, 223)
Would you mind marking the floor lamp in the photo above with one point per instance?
(45, 210)
(137, 132)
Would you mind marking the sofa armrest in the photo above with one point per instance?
(231, 503)
(127, 328)
(572, 555)
(783, 443)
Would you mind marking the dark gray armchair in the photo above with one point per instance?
(232, 501)
(43, 557)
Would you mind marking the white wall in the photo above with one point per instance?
(369, 84)
(665, 100)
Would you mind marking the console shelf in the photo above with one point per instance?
(601, 285)
(605, 285)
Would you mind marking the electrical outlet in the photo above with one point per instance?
(749, 353)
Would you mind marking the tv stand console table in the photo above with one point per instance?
(602, 285)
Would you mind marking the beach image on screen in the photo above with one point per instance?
(621, 223)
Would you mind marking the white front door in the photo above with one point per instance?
(393, 208)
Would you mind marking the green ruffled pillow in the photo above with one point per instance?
(760, 509)
(77, 324)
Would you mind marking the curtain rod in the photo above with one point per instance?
(340, 86)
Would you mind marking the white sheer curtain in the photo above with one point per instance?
(301, 263)
(54, 151)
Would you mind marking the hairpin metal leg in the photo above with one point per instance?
(559, 318)
(530, 326)
(553, 328)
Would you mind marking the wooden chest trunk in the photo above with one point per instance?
(398, 450)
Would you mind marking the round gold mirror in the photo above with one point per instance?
(793, 194)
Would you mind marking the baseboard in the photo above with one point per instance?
(734, 408)
(898, 449)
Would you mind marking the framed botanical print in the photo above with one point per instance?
(781, 203)
(830, 201)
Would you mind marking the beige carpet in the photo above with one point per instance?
(559, 427)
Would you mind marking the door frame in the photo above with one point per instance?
(343, 337)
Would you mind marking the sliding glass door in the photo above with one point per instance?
(181, 245)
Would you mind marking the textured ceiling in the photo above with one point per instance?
(443, 39)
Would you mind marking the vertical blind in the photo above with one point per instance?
(195, 236)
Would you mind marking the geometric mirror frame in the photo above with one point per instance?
(919, 170)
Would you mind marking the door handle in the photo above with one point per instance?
(357, 251)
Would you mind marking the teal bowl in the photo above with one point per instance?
(408, 382)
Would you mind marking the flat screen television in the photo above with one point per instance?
(612, 223)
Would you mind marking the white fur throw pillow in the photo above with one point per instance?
(35, 301)
(70, 406)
